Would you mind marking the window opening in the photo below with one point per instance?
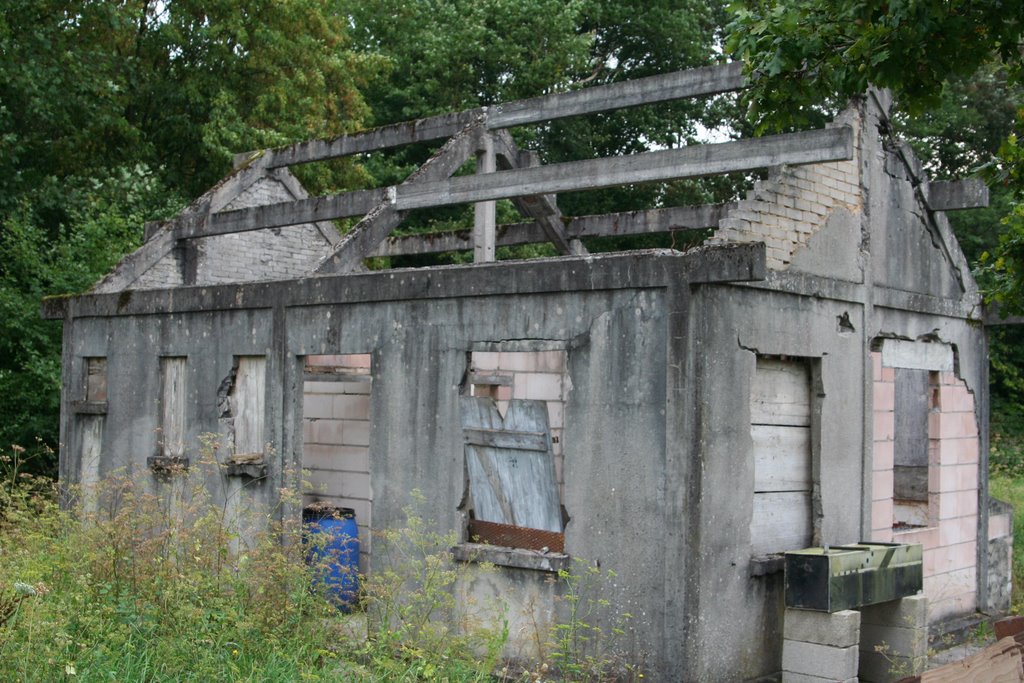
(512, 420)
(336, 421)
(914, 402)
(91, 422)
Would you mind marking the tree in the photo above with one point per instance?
(114, 113)
(447, 55)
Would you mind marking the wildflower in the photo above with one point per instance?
(69, 669)
(24, 588)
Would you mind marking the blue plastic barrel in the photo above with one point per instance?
(335, 557)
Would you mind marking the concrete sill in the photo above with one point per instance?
(763, 565)
(511, 557)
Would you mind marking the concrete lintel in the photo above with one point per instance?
(649, 268)
(953, 195)
(726, 263)
(913, 355)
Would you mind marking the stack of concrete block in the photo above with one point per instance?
(820, 647)
(894, 639)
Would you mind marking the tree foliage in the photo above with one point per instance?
(114, 113)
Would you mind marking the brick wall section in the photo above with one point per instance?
(950, 539)
(535, 375)
(336, 434)
(785, 210)
(271, 254)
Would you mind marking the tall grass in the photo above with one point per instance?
(143, 589)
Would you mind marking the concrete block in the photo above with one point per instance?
(884, 425)
(841, 629)
(790, 677)
(909, 612)
(894, 640)
(881, 484)
(879, 667)
(352, 407)
(881, 513)
(883, 455)
(899, 353)
(835, 663)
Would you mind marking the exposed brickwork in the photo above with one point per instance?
(271, 254)
(950, 538)
(785, 210)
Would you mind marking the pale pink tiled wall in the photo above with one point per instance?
(950, 539)
(534, 375)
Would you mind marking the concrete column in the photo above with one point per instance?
(484, 213)
(894, 639)
(819, 647)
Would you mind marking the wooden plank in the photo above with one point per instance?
(172, 424)
(780, 522)
(1002, 661)
(606, 225)
(781, 393)
(708, 80)
(782, 458)
(506, 439)
(511, 486)
(92, 451)
(830, 144)
(248, 404)
(912, 406)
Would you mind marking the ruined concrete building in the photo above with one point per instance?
(814, 374)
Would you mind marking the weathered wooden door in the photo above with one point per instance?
(511, 467)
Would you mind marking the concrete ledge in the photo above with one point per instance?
(511, 557)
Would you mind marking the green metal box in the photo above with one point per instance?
(835, 578)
